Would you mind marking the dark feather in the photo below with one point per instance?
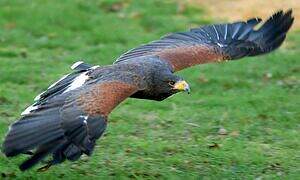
(233, 41)
(59, 128)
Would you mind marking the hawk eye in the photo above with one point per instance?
(171, 83)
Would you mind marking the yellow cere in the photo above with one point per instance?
(181, 85)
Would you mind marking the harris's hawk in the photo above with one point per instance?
(66, 120)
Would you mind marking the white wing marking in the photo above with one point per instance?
(75, 65)
(38, 97)
(78, 81)
(29, 109)
(51, 86)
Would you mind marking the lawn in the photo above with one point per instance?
(241, 120)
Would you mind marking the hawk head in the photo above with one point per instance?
(169, 84)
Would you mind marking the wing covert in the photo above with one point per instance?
(102, 98)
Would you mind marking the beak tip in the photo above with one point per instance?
(188, 91)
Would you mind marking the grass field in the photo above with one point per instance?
(241, 120)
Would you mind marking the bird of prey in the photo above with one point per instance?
(66, 120)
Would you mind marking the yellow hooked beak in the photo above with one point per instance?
(182, 86)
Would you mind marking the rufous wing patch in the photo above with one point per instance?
(187, 56)
(101, 99)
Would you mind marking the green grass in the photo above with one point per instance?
(256, 100)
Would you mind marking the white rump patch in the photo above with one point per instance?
(75, 65)
(78, 81)
(29, 109)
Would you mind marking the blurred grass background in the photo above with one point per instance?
(240, 122)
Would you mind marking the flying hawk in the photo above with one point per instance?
(66, 120)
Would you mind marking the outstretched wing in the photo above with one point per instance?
(68, 125)
(216, 42)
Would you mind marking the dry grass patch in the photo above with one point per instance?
(242, 9)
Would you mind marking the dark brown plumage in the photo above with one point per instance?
(67, 119)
